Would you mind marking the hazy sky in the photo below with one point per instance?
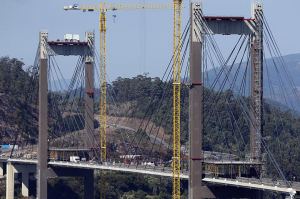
(128, 53)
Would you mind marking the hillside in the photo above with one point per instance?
(281, 127)
(120, 132)
(277, 79)
(18, 113)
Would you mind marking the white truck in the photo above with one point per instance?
(74, 158)
(148, 164)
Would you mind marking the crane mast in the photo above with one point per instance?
(102, 108)
(102, 105)
(176, 97)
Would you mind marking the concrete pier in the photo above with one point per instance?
(24, 170)
(10, 181)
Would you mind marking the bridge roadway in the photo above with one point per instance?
(250, 183)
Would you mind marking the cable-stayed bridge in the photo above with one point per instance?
(73, 146)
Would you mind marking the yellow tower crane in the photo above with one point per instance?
(176, 97)
(102, 8)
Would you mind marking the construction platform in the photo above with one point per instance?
(64, 154)
(232, 169)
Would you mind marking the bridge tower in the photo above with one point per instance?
(195, 105)
(224, 26)
(42, 165)
(256, 84)
(89, 87)
(65, 48)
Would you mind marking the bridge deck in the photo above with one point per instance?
(252, 183)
